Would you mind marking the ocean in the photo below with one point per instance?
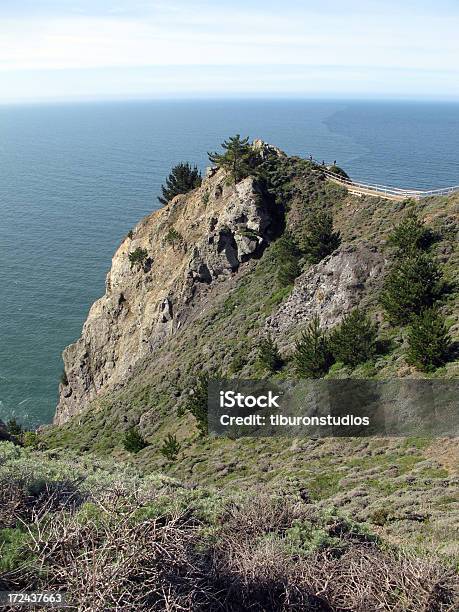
(74, 178)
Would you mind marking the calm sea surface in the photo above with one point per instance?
(75, 178)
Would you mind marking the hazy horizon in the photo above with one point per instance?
(72, 50)
(228, 98)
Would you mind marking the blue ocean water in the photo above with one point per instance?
(75, 178)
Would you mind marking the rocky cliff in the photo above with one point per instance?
(194, 286)
(332, 288)
(196, 240)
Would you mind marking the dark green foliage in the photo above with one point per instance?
(247, 232)
(130, 234)
(380, 516)
(338, 171)
(182, 179)
(268, 354)
(237, 364)
(319, 239)
(429, 344)
(14, 427)
(173, 237)
(410, 236)
(137, 257)
(287, 272)
(170, 448)
(30, 439)
(354, 341)
(287, 255)
(237, 159)
(133, 440)
(205, 197)
(64, 379)
(412, 284)
(196, 402)
(312, 357)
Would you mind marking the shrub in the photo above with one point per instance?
(410, 235)
(354, 341)
(205, 197)
(380, 516)
(30, 439)
(412, 284)
(144, 543)
(312, 357)
(138, 257)
(238, 363)
(250, 233)
(307, 538)
(133, 440)
(237, 158)
(338, 171)
(9, 452)
(429, 344)
(268, 354)
(182, 179)
(170, 448)
(173, 237)
(196, 402)
(14, 427)
(64, 380)
(287, 272)
(287, 255)
(13, 544)
(319, 239)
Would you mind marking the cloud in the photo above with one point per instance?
(229, 81)
(85, 35)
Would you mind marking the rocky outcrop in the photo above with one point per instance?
(329, 289)
(195, 240)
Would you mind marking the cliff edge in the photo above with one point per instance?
(158, 275)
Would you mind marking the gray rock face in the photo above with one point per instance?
(330, 289)
(217, 227)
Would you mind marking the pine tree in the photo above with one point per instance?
(287, 272)
(287, 255)
(412, 284)
(236, 159)
(312, 357)
(170, 448)
(354, 340)
(14, 427)
(429, 343)
(182, 179)
(268, 354)
(410, 236)
(133, 440)
(173, 237)
(137, 257)
(196, 402)
(319, 239)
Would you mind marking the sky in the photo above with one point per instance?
(53, 50)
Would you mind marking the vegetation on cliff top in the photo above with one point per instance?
(182, 179)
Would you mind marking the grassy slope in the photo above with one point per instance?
(112, 539)
(404, 476)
